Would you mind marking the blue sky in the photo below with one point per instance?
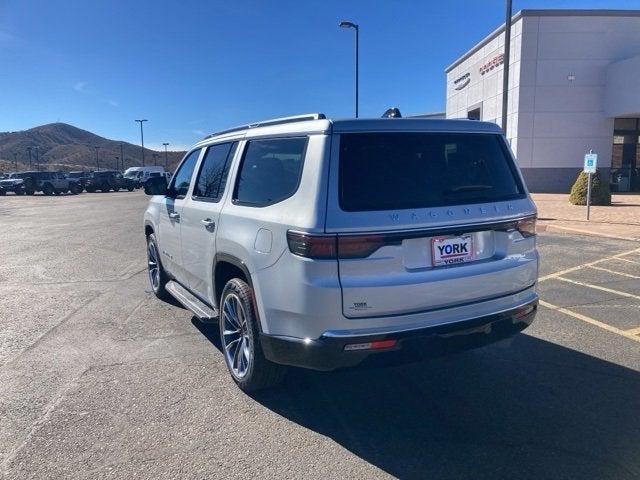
(192, 67)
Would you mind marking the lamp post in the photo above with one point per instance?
(345, 24)
(117, 162)
(142, 137)
(505, 71)
(166, 158)
(122, 155)
(97, 158)
(29, 150)
(37, 157)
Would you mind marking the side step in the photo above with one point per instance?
(201, 310)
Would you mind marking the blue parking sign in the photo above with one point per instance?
(590, 162)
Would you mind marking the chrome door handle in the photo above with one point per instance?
(208, 224)
(174, 216)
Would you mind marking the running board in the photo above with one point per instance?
(201, 310)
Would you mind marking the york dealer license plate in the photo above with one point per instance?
(451, 250)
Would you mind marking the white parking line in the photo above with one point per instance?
(573, 269)
(627, 260)
(613, 271)
(592, 321)
(598, 287)
(633, 331)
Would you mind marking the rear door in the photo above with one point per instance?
(424, 221)
(200, 215)
(170, 217)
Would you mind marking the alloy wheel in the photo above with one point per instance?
(235, 336)
(152, 262)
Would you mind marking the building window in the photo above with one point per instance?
(625, 155)
(474, 114)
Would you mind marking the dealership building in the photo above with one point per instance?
(574, 85)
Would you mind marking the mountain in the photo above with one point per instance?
(64, 147)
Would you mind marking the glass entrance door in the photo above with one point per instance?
(625, 159)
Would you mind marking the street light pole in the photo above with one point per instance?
(505, 70)
(38, 157)
(166, 158)
(122, 155)
(142, 137)
(97, 158)
(345, 24)
(29, 150)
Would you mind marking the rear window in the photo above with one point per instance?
(394, 171)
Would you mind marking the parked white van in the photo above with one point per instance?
(142, 174)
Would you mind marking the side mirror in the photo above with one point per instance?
(156, 186)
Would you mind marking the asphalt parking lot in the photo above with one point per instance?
(101, 380)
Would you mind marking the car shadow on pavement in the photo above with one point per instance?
(522, 409)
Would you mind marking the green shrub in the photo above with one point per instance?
(600, 194)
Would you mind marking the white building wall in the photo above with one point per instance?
(557, 91)
(485, 90)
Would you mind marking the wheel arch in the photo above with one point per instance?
(226, 267)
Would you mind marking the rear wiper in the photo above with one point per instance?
(469, 188)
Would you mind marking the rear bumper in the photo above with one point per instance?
(328, 352)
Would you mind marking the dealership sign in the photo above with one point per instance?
(491, 64)
(461, 82)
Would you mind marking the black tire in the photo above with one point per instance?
(157, 287)
(75, 189)
(130, 189)
(29, 185)
(57, 191)
(19, 191)
(2, 192)
(30, 192)
(48, 189)
(259, 373)
(90, 190)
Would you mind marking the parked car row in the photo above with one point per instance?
(56, 183)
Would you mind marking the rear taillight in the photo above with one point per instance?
(320, 247)
(527, 227)
(359, 246)
(325, 247)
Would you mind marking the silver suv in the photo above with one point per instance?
(324, 243)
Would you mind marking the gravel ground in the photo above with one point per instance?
(101, 380)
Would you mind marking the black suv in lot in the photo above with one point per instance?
(79, 177)
(48, 183)
(108, 180)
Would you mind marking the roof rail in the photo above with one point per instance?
(275, 121)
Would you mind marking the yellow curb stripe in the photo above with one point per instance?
(579, 267)
(613, 271)
(598, 287)
(633, 331)
(590, 320)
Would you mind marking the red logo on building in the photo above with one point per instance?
(491, 64)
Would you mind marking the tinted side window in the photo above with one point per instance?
(182, 180)
(214, 171)
(270, 170)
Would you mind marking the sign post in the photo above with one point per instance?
(590, 167)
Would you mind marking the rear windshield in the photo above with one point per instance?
(394, 171)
